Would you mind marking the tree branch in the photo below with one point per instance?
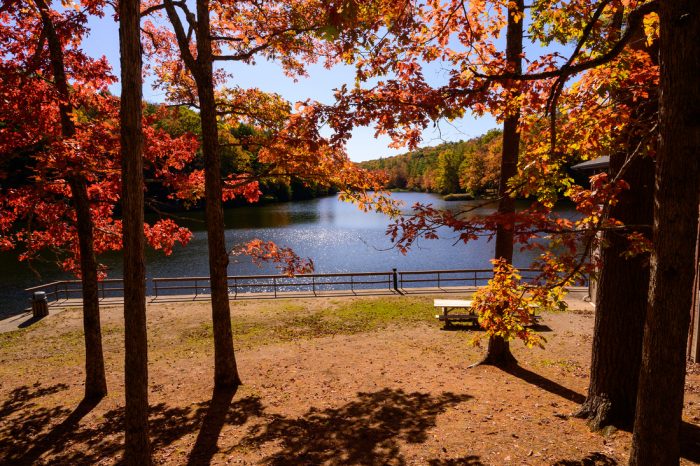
(634, 22)
(181, 36)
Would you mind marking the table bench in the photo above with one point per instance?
(449, 305)
(467, 314)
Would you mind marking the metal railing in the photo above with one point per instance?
(393, 281)
(274, 284)
(64, 290)
(451, 278)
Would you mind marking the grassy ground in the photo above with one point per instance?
(326, 381)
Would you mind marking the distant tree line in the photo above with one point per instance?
(471, 166)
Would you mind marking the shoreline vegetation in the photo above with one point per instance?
(460, 197)
(459, 171)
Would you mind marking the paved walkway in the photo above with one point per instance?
(576, 300)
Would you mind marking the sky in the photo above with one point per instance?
(268, 76)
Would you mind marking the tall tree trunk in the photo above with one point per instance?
(498, 350)
(137, 449)
(661, 383)
(95, 381)
(225, 369)
(620, 306)
(693, 336)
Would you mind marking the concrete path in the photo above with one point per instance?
(576, 299)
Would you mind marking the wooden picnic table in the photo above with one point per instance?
(449, 305)
(468, 315)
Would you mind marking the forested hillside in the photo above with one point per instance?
(454, 167)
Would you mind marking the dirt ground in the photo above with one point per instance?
(326, 381)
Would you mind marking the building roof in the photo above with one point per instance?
(595, 164)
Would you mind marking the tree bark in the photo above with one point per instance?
(620, 307)
(225, 369)
(95, 381)
(137, 449)
(621, 303)
(498, 350)
(661, 383)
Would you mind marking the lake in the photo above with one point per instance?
(336, 235)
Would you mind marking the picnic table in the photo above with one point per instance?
(467, 314)
(449, 305)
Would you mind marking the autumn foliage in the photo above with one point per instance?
(36, 211)
(572, 109)
(504, 307)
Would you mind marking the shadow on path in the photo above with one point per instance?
(367, 430)
(594, 459)
(471, 327)
(219, 413)
(205, 446)
(56, 437)
(364, 431)
(28, 430)
(690, 442)
(544, 383)
(470, 460)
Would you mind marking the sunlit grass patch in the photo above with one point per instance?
(283, 320)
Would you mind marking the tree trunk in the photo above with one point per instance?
(621, 303)
(225, 369)
(662, 376)
(498, 350)
(137, 449)
(620, 307)
(693, 336)
(95, 381)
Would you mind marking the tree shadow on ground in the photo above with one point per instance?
(544, 383)
(690, 442)
(218, 414)
(32, 431)
(21, 418)
(594, 459)
(368, 430)
(470, 460)
(457, 327)
(365, 431)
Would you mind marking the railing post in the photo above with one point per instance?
(396, 280)
(235, 288)
(438, 279)
(313, 284)
(196, 288)
(274, 285)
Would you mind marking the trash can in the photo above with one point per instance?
(40, 306)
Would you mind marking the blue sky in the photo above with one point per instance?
(268, 76)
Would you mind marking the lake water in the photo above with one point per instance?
(336, 235)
